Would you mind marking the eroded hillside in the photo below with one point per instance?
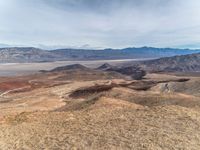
(80, 108)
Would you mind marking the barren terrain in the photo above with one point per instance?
(90, 109)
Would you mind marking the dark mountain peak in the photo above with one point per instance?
(70, 67)
(105, 66)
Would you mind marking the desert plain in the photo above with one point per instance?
(85, 108)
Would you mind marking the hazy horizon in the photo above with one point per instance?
(54, 47)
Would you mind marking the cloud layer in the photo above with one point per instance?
(101, 23)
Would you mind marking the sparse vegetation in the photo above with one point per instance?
(74, 108)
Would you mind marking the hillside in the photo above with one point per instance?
(31, 54)
(26, 54)
(184, 63)
(176, 64)
(70, 67)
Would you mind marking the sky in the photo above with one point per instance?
(100, 23)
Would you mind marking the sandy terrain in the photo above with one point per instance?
(40, 112)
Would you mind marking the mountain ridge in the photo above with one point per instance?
(32, 54)
(180, 63)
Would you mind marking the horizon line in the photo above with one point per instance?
(109, 48)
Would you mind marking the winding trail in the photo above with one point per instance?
(13, 90)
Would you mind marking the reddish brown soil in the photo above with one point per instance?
(10, 85)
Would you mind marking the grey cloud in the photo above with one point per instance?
(106, 6)
(100, 23)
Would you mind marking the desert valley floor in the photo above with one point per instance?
(84, 109)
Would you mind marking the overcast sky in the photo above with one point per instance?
(100, 23)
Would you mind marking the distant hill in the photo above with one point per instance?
(79, 72)
(31, 54)
(105, 66)
(71, 68)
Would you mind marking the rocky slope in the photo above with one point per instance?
(182, 63)
(185, 63)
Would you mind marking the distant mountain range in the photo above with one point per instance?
(31, 54)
